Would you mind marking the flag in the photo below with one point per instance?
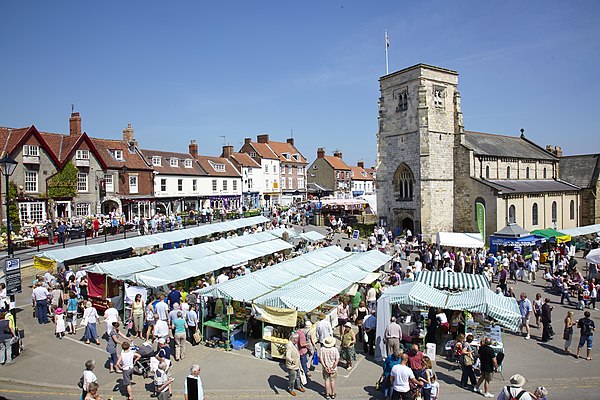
(387, 40)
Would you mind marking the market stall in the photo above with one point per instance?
(514, 238)
(452, 280)
(460, 240)
(496, 309)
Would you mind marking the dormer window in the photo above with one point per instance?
(252, 154)
(31, 150)
(286, 156)
(217, 166)
(188, 163)
(117, 154)
(295, 157)
(173, 162)
(156, 161)
(363, 173)
(82, 155)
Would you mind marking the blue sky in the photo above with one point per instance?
(182, 70)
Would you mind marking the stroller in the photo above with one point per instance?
(143, 365)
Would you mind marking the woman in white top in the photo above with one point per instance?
(88, 376)
(126, 361)
(110, 315)
(90, 317)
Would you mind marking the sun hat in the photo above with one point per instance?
(348, 325)
(322, 316)
(59, 310)
(329, 342)
(517, 380)
(161, 340)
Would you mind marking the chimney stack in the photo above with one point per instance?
(320, 152)
(291, 141)
(193, 149)
(227, 151)
(556, 150)
(361, 164)
(128, 136)
(264, 138)
(338, 154)
(75, 124)
(247, 140)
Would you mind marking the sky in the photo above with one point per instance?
(221, 71)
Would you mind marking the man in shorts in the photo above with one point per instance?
(489, 364)
(587, 327)
(329, 358)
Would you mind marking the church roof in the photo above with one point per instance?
(580, 170)
(513, 186)
(487, 144)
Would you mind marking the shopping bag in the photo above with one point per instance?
(83, 322)
(366, 337)
(303, 377)
(315, 360)
(197, 337)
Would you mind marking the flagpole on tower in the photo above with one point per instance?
(387, 45)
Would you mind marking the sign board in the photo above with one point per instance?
(12, 272)
(319, 205)
(355, 234)
(480, 208)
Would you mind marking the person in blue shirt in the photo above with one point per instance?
(388, 364)
(173, 297)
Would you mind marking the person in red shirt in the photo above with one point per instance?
(96, 227)
(415, 359)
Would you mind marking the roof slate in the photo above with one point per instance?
(264, 150)
(357, 174)
(132, 160)
(230, 170)
(510, 186)
(580, 170)
(281, 148)
(244, 160)
(166, 168)
(488, 144)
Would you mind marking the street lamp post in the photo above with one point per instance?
(8, 166)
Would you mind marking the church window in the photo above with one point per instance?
(572, 209)
(545, 175)
(487, 172)
(404, 182)
(508, 172)
(527, 173)
(534, 214)
(438, 96)
(554, 212)
(402, 97)
(512, 217)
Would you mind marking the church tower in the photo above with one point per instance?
(420, 124)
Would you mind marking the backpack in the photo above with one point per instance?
(517, 397)
(586, 327)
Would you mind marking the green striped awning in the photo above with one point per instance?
(452, 280)
(501, 308)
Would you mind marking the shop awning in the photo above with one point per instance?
(415, 294)
(460, 240)
(552, 233)
(582, 230)
(452, 280)
(72, 254)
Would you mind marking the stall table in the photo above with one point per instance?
(236, 326)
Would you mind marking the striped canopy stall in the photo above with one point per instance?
(452, 280)
(416, 294)
(501, 308)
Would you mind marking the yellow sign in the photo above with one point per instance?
(275, 315)
(43, 263)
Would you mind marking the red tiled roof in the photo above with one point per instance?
(205, 163)
(132, 160)
(166, 168)
(264, 150)
(244, 160)
(357, 174)
(337, 163)
(281, 148)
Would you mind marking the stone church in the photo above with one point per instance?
(431, 172)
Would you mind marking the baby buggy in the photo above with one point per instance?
(143, 365)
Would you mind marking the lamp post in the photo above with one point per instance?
(8, 166)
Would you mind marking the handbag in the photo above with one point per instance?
(303, 377)
(366, 337)
(468, 359)
(80, 383)
(315, 360)
(566, 334)
(83, 322)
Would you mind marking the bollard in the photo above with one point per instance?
(124, 232)
(105, 234)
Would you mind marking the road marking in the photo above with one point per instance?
(86, 345)
(44, 393)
